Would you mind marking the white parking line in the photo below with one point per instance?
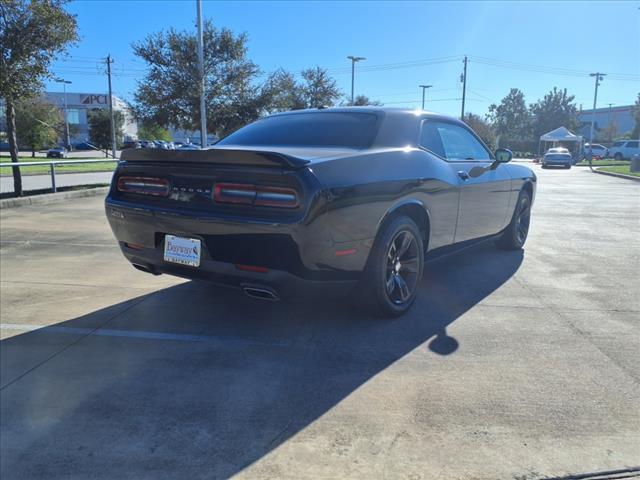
(141, 334)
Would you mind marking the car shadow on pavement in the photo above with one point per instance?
(229, 380)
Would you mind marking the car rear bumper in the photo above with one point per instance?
(557, 162)
(294, 259)
(269, 285)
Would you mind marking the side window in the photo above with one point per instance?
(430, 138)
(618, 144)
(632, 144)
(460, 145)
(452, 142)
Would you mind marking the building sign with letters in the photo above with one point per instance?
(94, 99)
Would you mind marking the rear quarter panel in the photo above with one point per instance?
(361, 190)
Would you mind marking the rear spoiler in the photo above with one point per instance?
(218, 155)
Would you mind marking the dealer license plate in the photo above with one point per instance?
(185, 251)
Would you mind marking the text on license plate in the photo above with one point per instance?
(185, 251)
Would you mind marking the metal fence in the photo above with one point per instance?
(52, 166)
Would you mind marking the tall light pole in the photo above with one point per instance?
(203, 111)
(353, 71)
(599, 77)
(463, 79)
(109, 61)
(66, 115)
(424, 88)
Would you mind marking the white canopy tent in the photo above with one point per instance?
(560, 134)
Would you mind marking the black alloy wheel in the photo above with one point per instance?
(402, 267)
(515, 235)
(395, 266)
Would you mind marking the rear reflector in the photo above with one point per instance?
(135, 246)
(158, 187)
(252, 268)
(247, 194)
(342, 253)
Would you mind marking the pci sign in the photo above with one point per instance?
(94, 99)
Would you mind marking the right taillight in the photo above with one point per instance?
(158, 187)
(248, 194)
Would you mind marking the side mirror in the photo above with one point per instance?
(503, 155)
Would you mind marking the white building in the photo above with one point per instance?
(79, 104)
(620, 116)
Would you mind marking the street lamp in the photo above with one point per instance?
(424, 88)
(353, 70)
(66, 115)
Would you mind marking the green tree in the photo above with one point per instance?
(100, 128)
(363, 101)
(168, 95)
(556, 109)
(38, 123)
(635, 111)
(283, 93)
(32, 34)
(150, 131)
(482, 128)
(511, 119)
(318, 88)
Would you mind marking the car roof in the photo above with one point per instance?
(368, 109)
(398, 126)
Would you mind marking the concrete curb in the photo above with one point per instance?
(47, 198)
(619, 175)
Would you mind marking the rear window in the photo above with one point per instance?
(322, 129)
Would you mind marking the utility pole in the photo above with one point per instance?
(424, 88)
(66, 115)
(463, 79)
(599, 77)
(113, 123)
(353, 71)
(203, 111)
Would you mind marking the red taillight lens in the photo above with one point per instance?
(247, 194)
(158, 187)
(251, 268)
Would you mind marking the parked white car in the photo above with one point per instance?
(599, 151)
(624, 149)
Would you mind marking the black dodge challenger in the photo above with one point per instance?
(320, 199)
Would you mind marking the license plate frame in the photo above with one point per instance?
(182, 250)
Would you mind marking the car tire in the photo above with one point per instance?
(515, 235)
(395, 267)
(617, 156)
(568, 167)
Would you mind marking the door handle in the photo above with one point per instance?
(463, 175)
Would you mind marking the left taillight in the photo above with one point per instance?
(158, 187)
(260, 195)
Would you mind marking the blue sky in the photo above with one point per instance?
(506, 43)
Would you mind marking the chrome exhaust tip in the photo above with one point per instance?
(261, 293)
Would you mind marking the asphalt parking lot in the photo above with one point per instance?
(512, 365)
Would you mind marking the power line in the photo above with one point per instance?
(560, 71)
(567, 72)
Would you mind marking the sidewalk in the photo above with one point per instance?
(36, 182)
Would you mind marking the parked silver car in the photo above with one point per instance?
(557, 157)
